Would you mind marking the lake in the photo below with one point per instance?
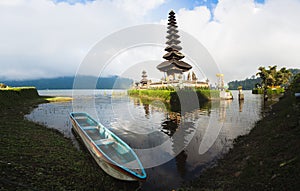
(173, 147)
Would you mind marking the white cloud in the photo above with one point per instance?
(40, 38)
(45, 39)
(10, 2)
(245, 35)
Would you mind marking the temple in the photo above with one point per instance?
(173, 66)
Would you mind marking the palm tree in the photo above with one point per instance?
(263, 74)
(272, 77)
(283, 77)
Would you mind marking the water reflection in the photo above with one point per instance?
(210, 119)
(241, 104)
(189, 141)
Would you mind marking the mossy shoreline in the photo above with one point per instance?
(169, 95)
(33, 157)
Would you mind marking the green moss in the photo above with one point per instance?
(167, 95)
(182, 100)
(17, 95)
(164, 95)
(209, 94)
(58, 99)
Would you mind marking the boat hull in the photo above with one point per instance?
(100, 158)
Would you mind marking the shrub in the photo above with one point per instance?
(151, 93)
(269, 91)
(295, 85)
(2, 85)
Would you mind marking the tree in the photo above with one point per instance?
(283, 76)
(263, 74)
(272, 77)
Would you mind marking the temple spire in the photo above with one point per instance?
(173, 64)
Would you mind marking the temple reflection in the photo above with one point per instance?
(146, 108)
(179, 127)
(190, 129)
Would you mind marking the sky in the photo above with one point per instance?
(51, 38)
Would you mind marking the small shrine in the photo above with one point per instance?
(144, 80)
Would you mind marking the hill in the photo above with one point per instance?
(82, 82)
(247, 84)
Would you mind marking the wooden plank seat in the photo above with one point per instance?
(90, 128)
(104, 142)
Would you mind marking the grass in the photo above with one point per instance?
(167, 95)
(18, 88)
(269, 91)
(58, 99)
(33, 157)
(266, 159)
(163, 95)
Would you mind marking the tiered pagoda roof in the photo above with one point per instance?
(173, 63)
(144, 78)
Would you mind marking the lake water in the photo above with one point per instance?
(173, 147)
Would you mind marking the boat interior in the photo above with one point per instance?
(108, 143)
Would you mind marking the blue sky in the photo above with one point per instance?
(170, 4)
(72, 2)
(187, 3)
(175, 5)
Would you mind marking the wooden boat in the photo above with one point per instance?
(111, 153)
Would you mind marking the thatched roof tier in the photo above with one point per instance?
(172, 27)
(173, 41)
(174, 70)
(173, 55)
(169, 27)
(174, 65)
(173, 47)
(173, 23)
(171, 19)
(172, 36)
(172, 31)
(144, 81)
(171, 12)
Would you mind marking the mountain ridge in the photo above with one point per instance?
(81, 82)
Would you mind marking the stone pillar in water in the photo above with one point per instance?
(241, 95)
